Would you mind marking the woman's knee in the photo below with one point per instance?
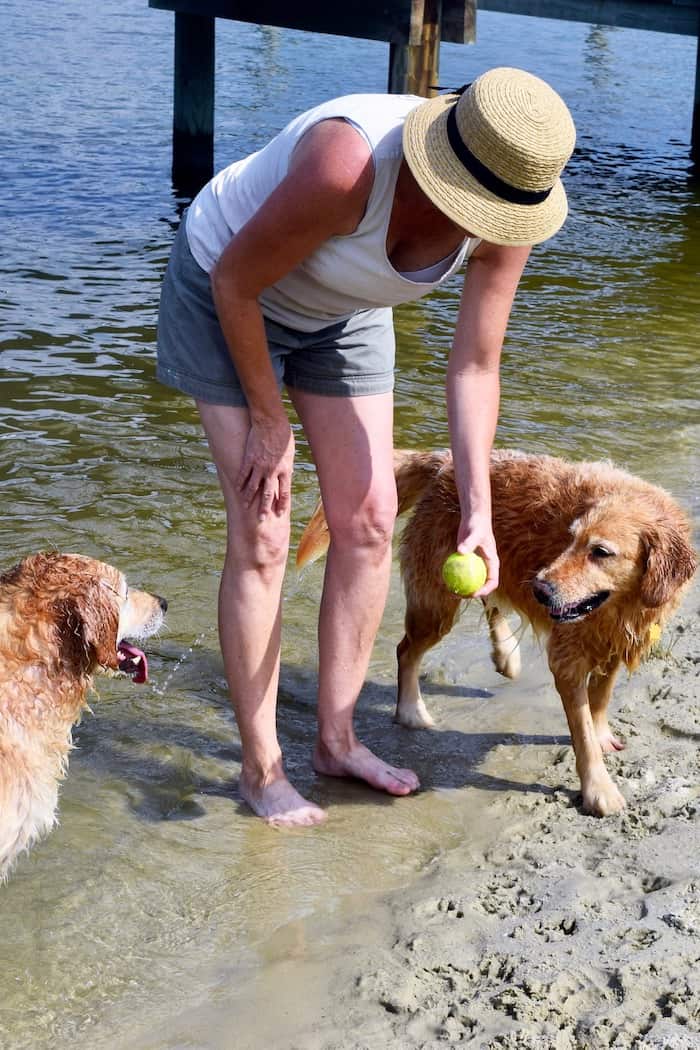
(367, 527)
(260, 546)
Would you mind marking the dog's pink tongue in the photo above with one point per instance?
(133, 662)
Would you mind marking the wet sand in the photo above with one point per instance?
(544, 930)
(567, 932)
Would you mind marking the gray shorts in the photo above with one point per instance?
(351, 358)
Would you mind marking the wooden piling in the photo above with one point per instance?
(695, 134)
(193, 111)
(414, 65)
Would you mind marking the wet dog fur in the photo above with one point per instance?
(62, 618)
(594, 558)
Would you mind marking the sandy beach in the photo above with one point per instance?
(562, 932)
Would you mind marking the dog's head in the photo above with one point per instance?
(80, 612)
(635, 550)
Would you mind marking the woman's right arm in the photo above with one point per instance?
(323, 195)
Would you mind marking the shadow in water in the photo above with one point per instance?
(167, 768)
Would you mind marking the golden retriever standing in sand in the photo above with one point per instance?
(62, 617)
(593, 557)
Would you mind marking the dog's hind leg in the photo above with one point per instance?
(424, 628)
(505, 645)
(600, 687)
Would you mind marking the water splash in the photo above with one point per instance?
(161, 690)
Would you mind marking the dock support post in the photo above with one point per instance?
(695, 133)
(193, 112)
(414, 65)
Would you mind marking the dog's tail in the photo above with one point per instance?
(412, 470)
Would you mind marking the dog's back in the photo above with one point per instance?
(537, 503)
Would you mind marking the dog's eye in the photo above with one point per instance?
(599, 551)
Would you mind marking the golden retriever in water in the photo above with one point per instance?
(593, 557)
(62, 617)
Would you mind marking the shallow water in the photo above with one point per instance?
(158, 893)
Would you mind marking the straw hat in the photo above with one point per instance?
(490, 158)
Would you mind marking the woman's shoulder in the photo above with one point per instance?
(369, 103)
(375, 115)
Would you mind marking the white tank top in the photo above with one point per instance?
(345, 274)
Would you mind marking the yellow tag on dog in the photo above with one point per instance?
(654, 633)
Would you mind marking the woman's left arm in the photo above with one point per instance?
(473, 390)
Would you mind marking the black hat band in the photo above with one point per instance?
(488, 179)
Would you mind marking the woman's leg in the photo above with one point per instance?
(351, 441)
(250, 624)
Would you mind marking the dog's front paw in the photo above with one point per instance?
(413, 714)
(506, 660)
(601, 798)
(609, 743)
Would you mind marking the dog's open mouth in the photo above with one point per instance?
(132, 661)
(577, 610)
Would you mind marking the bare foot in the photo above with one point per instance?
(280, 804)
(361, 763)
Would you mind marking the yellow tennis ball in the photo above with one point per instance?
(464, 574)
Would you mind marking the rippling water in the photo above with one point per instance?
(157, 891)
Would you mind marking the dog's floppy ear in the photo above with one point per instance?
(87, 627)
(670, 561)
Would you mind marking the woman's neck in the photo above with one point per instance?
(419, 234)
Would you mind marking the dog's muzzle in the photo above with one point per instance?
(563, 612)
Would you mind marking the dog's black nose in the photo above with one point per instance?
(162, 602)
(543, 592)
